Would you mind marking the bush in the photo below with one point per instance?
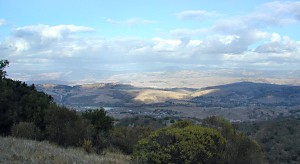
(181, 142)
(64, 126)
(124, 138)
(25, 130)
(99, 119)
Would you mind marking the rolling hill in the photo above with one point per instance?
(229, 95)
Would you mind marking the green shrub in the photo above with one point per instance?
(181, 142)
(25, 130)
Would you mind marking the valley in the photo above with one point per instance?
(240, 101)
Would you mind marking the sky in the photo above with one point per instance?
(95, 39)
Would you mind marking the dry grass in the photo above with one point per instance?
(156, 96)
(14, 150)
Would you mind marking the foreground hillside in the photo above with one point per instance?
(27, 151)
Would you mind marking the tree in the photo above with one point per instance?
(64, 126)
(101, 125)
(99, 119)
(222, 125)
(181, 143)
(20, 103)
(124, 138)
(3, 64)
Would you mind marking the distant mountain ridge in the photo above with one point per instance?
(249, 93)
(234, 94)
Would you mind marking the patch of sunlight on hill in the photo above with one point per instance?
(157, 96)
(14, 150)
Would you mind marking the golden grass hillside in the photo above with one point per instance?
(157, 96)
(14, 150)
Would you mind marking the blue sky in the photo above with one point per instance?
(93, 39)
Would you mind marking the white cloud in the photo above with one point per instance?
(223, 44)
(49, 32)
(279, 45)
(165, 44)
(275, 37)
(43, 40)
(31, 45)
(271, 14)
(228, 39)
(20, 45)
(196, 14)
(194, 43)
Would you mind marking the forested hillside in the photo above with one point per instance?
(279, 138)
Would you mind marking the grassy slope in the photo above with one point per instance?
(14, 150)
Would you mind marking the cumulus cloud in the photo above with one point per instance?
(196, 14)
(248, 30)
(80, 55)
(279, 45)
(131, 21)
(44, 40)
(45, 31)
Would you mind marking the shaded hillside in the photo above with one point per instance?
(27, 151)
(91, 94)
(249, 94)
(111, 94)
(230, 95)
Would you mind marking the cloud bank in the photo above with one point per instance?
(237, 42)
